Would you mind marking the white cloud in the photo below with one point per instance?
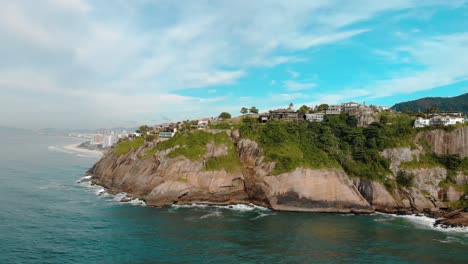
(98, 55)
(294, 74)
(442, 59)
(298, 86)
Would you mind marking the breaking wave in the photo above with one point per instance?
(422, 222)
(122, 198)
(234, 207)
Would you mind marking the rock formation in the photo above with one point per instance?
(160, 180)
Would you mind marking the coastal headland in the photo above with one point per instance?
(333, 166)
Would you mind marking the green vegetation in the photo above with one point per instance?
(224, 115)
(144, 129)
(244, 110)
(405, 179)
(127, 145)
(335, 142)
(229, 162)
(253, 110)
(194, 147)
(220, 125)
(425, 161)
(191, 145)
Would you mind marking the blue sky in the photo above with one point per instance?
(91, 64)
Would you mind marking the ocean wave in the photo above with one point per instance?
(449, 240)
(261, 215)
(234, 207)
(121, 198)
(424, 222)
(213, 214)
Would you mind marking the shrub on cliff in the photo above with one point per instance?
(404, 179)
(335, 142)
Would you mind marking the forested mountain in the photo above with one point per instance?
(457, 103)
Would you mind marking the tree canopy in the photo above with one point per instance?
(244, 110)
(253, 110)
(224, 115)
(303, 110)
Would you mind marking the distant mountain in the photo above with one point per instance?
(457, 103)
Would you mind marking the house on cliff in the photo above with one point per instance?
(334, 110)
(284, 114)
(316, 117)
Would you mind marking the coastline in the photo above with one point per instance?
(76, 148)
(422, 220)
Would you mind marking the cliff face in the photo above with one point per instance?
(161, 180)
(442, 142)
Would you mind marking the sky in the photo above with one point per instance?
(122, 63)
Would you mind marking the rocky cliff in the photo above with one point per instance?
(163, 180)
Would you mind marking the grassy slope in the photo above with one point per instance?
(194, 146)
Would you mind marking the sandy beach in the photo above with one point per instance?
(75, 148)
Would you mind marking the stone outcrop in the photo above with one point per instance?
(163, 181)
(453, 219)
(378, 197)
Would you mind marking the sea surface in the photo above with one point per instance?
(47, 217)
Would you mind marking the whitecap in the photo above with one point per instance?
(100, 191)
(234, 207)
(213, 214)
(120, 196)
(261, 215)
(137, 202)
(448, 240)
(242, 207)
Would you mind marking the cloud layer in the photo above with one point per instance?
(111, 63)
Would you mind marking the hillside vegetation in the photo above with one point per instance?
(457, 104)
(335, 142)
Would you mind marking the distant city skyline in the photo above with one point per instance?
(93, 64)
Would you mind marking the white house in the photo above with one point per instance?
(446, 120)
(317, 117)
(349, 107)
(203, 123)
(334, 110)
(421, 122)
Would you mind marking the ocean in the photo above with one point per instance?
(46, 216)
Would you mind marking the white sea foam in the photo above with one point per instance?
(450, 239)
(425, 222)
(213, 214)
(100, 191)
(137, 202)
(234, 207)
(261, 215)
(59, 149)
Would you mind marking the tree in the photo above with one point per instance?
(149, 138)
(303, 110)
(291, 105)
(244, 110)
(144, 129)
(322, 107)
(253, 110)
(224, 115)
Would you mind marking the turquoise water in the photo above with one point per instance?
(46, 217)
